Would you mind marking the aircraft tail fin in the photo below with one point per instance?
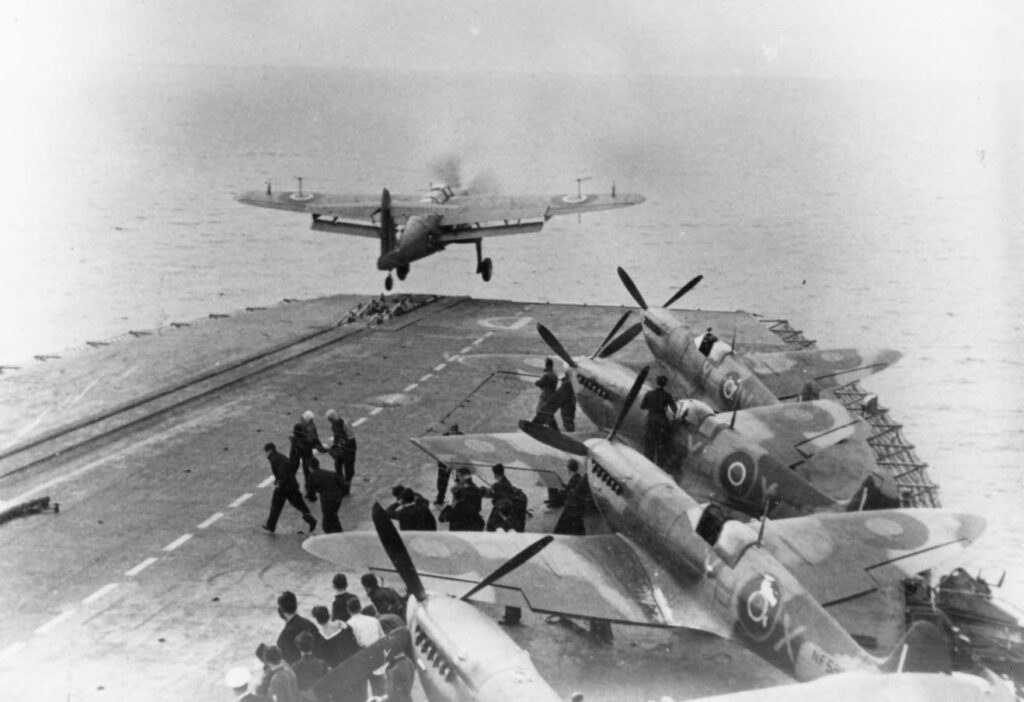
(874, 493)
(387, 224)
(925, 648)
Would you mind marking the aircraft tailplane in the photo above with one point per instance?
(387, 224)
(925, 648)
(873, 494)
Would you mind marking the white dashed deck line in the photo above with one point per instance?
(410, 387)
(358, 421)
(477, 342)
(109, 587)
(267, 481)
(55, 622)
(140, 567)
(177, 542)
(489, 334)
(427, 377)
(214, 517)
(376, 410)
(241, 500)
(12, 649)
(465, 349)
(439, 367)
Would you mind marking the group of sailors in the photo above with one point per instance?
(298, 667)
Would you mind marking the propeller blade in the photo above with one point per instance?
(624, 338)
(354, 670)
(618, 325)
(510, 565)
(683, 290)
(393, 545)
(628, 282)
(553, 438)
(555, 345)
(630, 399)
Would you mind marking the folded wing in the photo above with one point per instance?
(786, 373)
(795, 431)
(838, 556)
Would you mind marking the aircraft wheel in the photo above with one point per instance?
(402, 272)
(486, 268)
(389, 283)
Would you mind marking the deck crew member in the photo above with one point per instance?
(343, 447)
(707, 342)
(304, 439)
(286, 489)
(548, 384)
(328, 486)
(444, 471)
(658, 403)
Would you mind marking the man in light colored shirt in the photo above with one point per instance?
(367, 631)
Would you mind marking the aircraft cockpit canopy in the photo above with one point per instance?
(438, 195)
(733, 541)
(712, 347)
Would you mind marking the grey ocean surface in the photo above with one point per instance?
(867, 213)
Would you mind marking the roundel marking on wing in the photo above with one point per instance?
(737, 473)
(301, 197)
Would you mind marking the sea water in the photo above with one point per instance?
(866, 213)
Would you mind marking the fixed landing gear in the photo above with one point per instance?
(484, 266)
(389, 283)
(402, 271)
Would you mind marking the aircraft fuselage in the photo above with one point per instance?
(727, 382)
(740, 472)
(753, 597)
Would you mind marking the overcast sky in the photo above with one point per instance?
(972, 39)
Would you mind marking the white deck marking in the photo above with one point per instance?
(465, 349)
(141, 567)
(55, 622)
(477, 342)
(440, 367)
(410, 387)
(427, 377)
(241, 500)
(214, 517)
(12, 649)
(358, 421)
(376, 410)
(267, 481)
(100, 593)
(177, 542)
(489, 334)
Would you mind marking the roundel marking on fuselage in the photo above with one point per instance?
(730, 387)
(738, 473)
(758, 606)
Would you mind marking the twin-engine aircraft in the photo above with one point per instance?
(743, 460)
(705, 363)
(412, 227)
(671, 562)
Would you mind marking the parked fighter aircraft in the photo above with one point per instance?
(730, 381)
(461, 654)
(671, 562)
(414, 227)
(742, 459)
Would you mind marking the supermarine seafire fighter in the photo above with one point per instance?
(669, 561)
(742, 459)
(412, 227)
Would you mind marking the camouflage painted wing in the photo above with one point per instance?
(477, 210)
(838, 556)
(795, 431)
(603, 577)
(785, 373)
(514, 450)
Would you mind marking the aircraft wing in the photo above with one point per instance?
(604, 577)
(785, 373)
(795, 431)
(513, 450)
(477, 210)
(838, 556)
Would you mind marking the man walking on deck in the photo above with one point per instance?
(286, 489)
